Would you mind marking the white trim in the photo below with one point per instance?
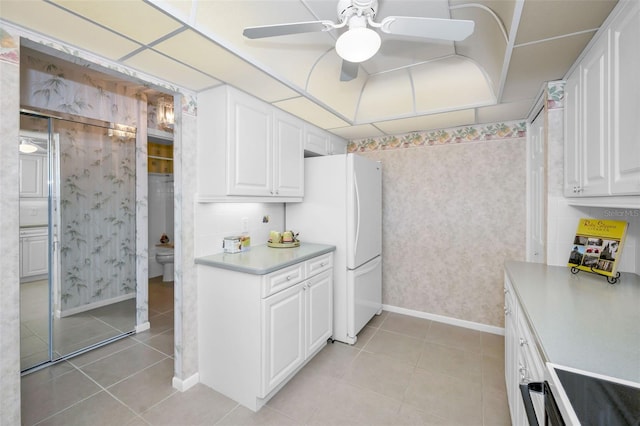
(447, 320)
(90, 306)
(186, 384)
(143, 327)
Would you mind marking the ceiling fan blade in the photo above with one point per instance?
(285, 29)
(349, 71)
(444, 29)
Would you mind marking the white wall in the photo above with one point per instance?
(214, 221)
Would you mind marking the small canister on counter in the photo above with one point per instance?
(232, 244)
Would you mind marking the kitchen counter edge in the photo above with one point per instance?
(262, 259)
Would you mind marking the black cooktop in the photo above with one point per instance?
(600, 402)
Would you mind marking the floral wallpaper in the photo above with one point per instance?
(464, 134)
(451, 216)
(98, 181)
(98, 212)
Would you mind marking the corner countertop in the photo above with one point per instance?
(581, 321)
(261, 260)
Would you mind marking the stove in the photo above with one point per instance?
(595, 400)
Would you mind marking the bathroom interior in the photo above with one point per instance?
(82, 228)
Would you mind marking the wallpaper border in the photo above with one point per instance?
(454, 135)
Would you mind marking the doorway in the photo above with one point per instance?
(86, 297)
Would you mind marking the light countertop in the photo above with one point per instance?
(261, 260)
(581, 320)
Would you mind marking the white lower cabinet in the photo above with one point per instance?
(34, 254)
(523, 362)
(256, 331)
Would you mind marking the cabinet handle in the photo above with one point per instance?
(523, 341)
(277, 192)
(506, 291)
(523, 373)
(288, 277)
(322, 264)
(507, 311)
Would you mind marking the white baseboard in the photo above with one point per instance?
(143, 327)
(90, 306)
(447, 320)
(189, 382)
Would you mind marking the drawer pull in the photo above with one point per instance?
(507, 311)
(288, 277)
(523, 341)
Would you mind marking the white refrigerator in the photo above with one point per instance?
(343, 206)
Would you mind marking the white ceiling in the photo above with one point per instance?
(411, 84)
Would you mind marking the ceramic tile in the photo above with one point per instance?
(495, 408)
(103, 352)
(266, 416)
(381, 374)
(99, 409)
(445, 396)
(47, 398)
(404, 324)
(492, 345)
(398, 346)
(146, 388)
(377, 319)
(452, 361)
(348, 404)
(160, 323)
(333, 360)
(410, 415)
(199, 405)
(457, 337)
(300, 397)
(364, 336)
(121, 365)
(493, 373)
(162, 342)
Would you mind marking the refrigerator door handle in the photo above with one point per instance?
(357, 214)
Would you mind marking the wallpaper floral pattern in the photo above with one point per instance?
(98, 252)
(98, 214)
(451, 216)
(465, 134)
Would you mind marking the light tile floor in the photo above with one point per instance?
(401, 371)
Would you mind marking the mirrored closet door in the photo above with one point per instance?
(86, 294)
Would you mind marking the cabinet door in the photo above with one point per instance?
(572, 151)
(625, 103)
(288, 155)
(319, 312)
(511, 349)
(35, 259)
(337, 146)
(282, 336)
(32, 176)
(250, 146)
(595, 119)
(316, 140)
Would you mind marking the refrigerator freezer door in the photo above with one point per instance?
(364, 295)
(364, 210)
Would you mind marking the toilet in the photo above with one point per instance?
(164, 256)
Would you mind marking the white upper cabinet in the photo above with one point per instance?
(248, 150)
(625, 103)
(594, 130)
(602, 112)
(288, 150)
(34, 171)
(319, 142)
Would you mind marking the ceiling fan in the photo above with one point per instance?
(360, 43)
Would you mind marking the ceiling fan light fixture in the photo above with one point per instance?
(358, 44)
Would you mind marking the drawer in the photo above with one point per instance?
(282, 278)
(319, 264)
